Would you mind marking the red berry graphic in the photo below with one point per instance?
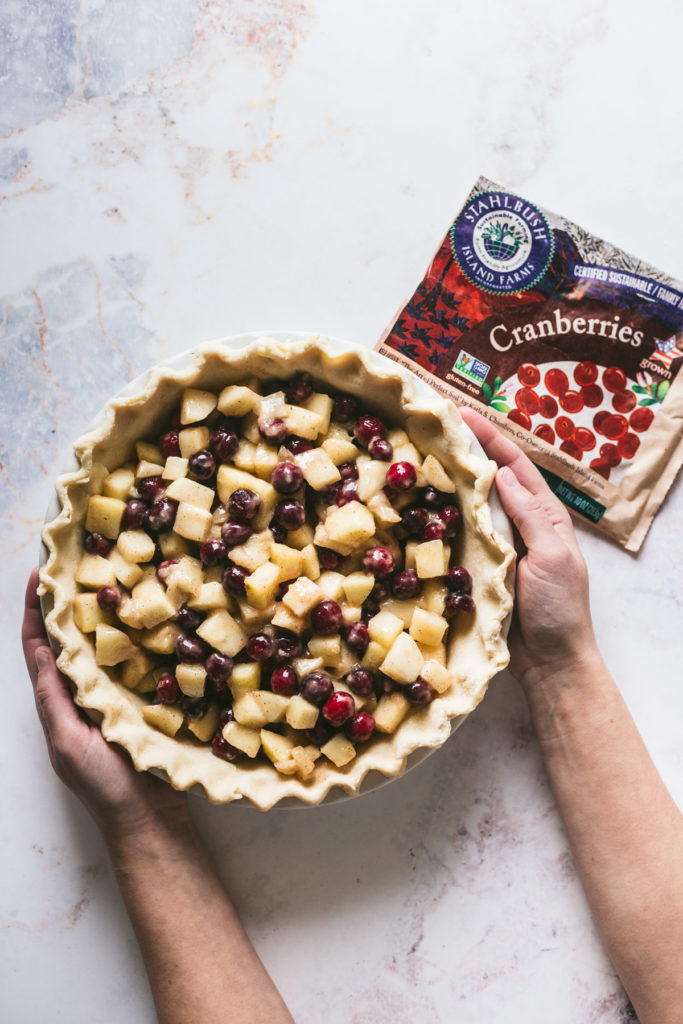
(585, 373)
(614, 426)
(548, 407)
(545, 432)
(641, 419)
(520, 418)
(564, 428)
(592, 396)
(556, 382)
(610, 454)
(599, 421)
(628, 445)
(601, 467)
(526, 399)
(584, 439)
(614, 379)
(528, 374)
(569, 448)
(624, 401)
(572, 401)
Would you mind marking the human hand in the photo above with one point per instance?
(552, 629)
(121, 800)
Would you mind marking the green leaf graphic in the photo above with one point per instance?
(640, 390)
(647, 401)
(497, 382)
(500, 406)
(486, 388)
(663, 389)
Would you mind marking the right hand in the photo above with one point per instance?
(552, 628)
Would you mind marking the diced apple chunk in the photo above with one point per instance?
(301, 538)
(332, 585)
(166, 717)
(153, 603)
(260, 707)
(404, 661)
(433, 652)
(191, 678)
(321, 404)
(437, 675)
(192, 522)
(302, 595)
(351, 613)
(384, 628)
(148, 452)
(289, 560)
(436, 475)
(350, 524)
(310, 565)
(326, 647)
(254, 552)
(434, 595)
(391, 709)
(302, 422)
(220, 631)
(245, 677)
(340, 450)
(173, 546)
(284, 618)
(265, 460)
(429, 559)
(374, 655)
(426, 627)
(119, 483)
(254, 618)
(135, 668)
(372, 477)
(161, 639)
(235, 400)
(184, 579)
(184, 489)
(245, 456)
(262, 585)
(94, 572)
(304, 759)
(301, 714)
(128, 573)
(175, 468)
(104, 516)
(276, 747)
(196, 405)
(339, 750)
(205, 728)
(357, 586)
(303, 666)
(243, 737)
(112, 646)
(404, 610)
(135, 546)
(193, 439)
(88, 614)
(211, 595)
(323, 540)
(318, 468)
(146, 469)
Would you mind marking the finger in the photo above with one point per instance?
(506, 453)
(33, 633)
(56, 709)
(535, 525)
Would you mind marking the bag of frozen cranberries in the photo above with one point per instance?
(568, 344)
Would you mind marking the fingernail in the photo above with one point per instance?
(42, 658)
(508, 477)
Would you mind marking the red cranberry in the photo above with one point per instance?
(221, 748)
(330, 493)
(628, 445)
(348, 491)
(419, 692)
(328, 558)
(368, 427)
(610, 453)
(219, 668)
(194, 707)
(380, 449)
(188, 619)
(520, 418)
(134, 515)
(108, 597)
(614, 427)
(348, 471)
(357, 637)
(326, 618)
(235, 533)
(289, 514)
(297, 445)
(344, 408)
(360, 681)
(316, 687)
(564, 428)
(548, 407)
(169, 445)
(226, 715)
(545, 432)
(414, 519)
(273, 430)
(96, 544)
(640, 419)
(320, 733)
(150, 487)
(212, 551)
(286, 478)
(401, 476)
(406, 584)
(168, 690)
(450, 516)
(459, 580)
(601, 466)
(556, 381)
(279, 534)
(592, 396)
(284, 681)
(572, 401)
(614, 379)
(458, 603)
(528, 374)
(432, 498)
(584, 439)
(260, 647)
(569, 448)
(339, 708)
(243, 504)
(434, 530)
(161, 516)
(528, 401)
(190, 648)
(360, 727)
(164, 569)
(300, 388)
(233, 580)
(585, 373)
(378, 561)
(201, 465)
(624, 401)
(224, 443)
(286, 649)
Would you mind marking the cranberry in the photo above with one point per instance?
(368, 427)
(615, 426)
(134, 515)
(641, 418)
(339, 708)
(316, 687)
(592, 396)
(601, 466)
(326, 618)
(161, 516)
(614, 379)
(168, 690)
(459, 580)
(235, 533)
(520, 418)
(380, 448)
(226, 715)
(378, 561)
(571, 449)
(628, 445)
(328, 558)
(273, 430)
(213, 552)
(547, 407)
(224, 443)
(330, 493)
(379, 593)
(347, 491)
(188, 619)
(201, 465)
(584, 439)
(401, 476)
(320, 733)
(286, 478)
(344, 408)
(300, 388)
(528, 401)
(360, 727)
(556, 381)
(420, 692)
(545, 432)
(361, 682)
(150, 487)
(108, 597)
(284, 681)
(221, 748)
(289, 514)
(572, 401)
(190, 648)
(169, 445)
(233, 580)
(434, 530)
(260, 647)
(357, 637)
(278, 533)
(194, 707)
(528, 374)
(164, 568)
(297, 445)
(624, 401)
(96, 544)
(585, 373)
(599, 420)
(433, 498)
(458, 603)
(286, 649)
(414, 519)
(610, 453)
(406, 584)
(219, 668)
(564, 427)
(451, 519)
(243, 504)
(348, 471)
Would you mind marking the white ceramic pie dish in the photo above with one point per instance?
(423, 393)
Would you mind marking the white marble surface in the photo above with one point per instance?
(174, 171)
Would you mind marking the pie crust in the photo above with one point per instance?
(476, 645)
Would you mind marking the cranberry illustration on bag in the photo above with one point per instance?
(568, 344)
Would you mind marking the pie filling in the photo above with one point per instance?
(274, 574)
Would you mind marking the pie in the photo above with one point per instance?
(276, 571)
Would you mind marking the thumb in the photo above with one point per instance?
(525, 509)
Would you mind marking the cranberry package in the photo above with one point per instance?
(567, 343)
